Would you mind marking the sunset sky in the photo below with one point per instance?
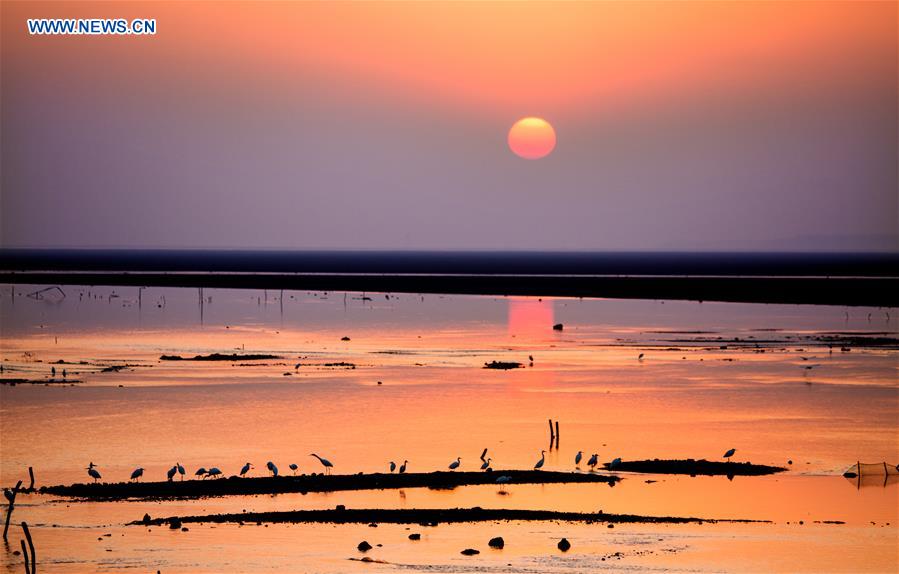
(679, 125)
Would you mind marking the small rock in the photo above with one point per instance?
(364, 546)
(174, 524)
(16, 553)
(611, 526)
(558, 327)
(372, 525)
(340, 507)
(497, 542)
(344, 338)
(470, 552)
(147, 519)
(185, 529)
(415, 536)
(564, 545)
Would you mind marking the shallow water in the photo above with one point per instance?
(687, 397)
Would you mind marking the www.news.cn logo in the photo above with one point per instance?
(92, 26)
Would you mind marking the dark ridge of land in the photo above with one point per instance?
(312, 483)
(502, 365)
(857, 341)
(425, 517)
(219, 357)
(14, 382)
(694, 467)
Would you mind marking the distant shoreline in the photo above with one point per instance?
(860, 279)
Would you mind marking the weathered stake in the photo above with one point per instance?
(557, 434)
(12, 504)
(31, 474)
(25, 557)
(31, 547)
(552, 434)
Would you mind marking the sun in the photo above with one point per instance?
(532, 138)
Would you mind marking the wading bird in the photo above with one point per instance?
(578, 457)
(92, 472)
(170, 474)
(594, 460)
(403, 466)
(292, 466)
(325, 463)
(486, 464)
(729, 454)
(540, 462)
(201, 472)
(455, 464)
(214, 471)
(246, 468)
(138, 472)
(502, 481)
(392, 466)
(615, 463)
(272, 468)
(180, 470)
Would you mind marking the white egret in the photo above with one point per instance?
(392, 466)
(246, 468)
(201, 472)
(486, 464)
(325, 463)
(403, 466)
(594, 460)
(540, 462)
(272, 468)
(293, 467)
(455, 464)
(138, 472)
(729, 454)
(578, 457)
(213, 471)
(170, 474)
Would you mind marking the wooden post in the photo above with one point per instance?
(552, 434)
(31, 547)
(25, 556)
(557, 434)
(12, 504)
(31, 474)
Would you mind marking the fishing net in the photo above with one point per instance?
(862, 469)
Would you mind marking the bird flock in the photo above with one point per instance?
(214, 472)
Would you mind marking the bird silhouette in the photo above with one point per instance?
(540, 462)
(92, 472)
(392, 466)
(201, 472)
(729, 454)
(615, 463)
(246, 468)
(170, 474)
(325, 463)
(403, 466)
(180, 470)
(455, 464)
(272, 468)
(213, 471)
(138, 472)
(486, 464)
(594, 460)
(578, 457)
(293, 467)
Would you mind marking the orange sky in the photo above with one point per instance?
(513, 58)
